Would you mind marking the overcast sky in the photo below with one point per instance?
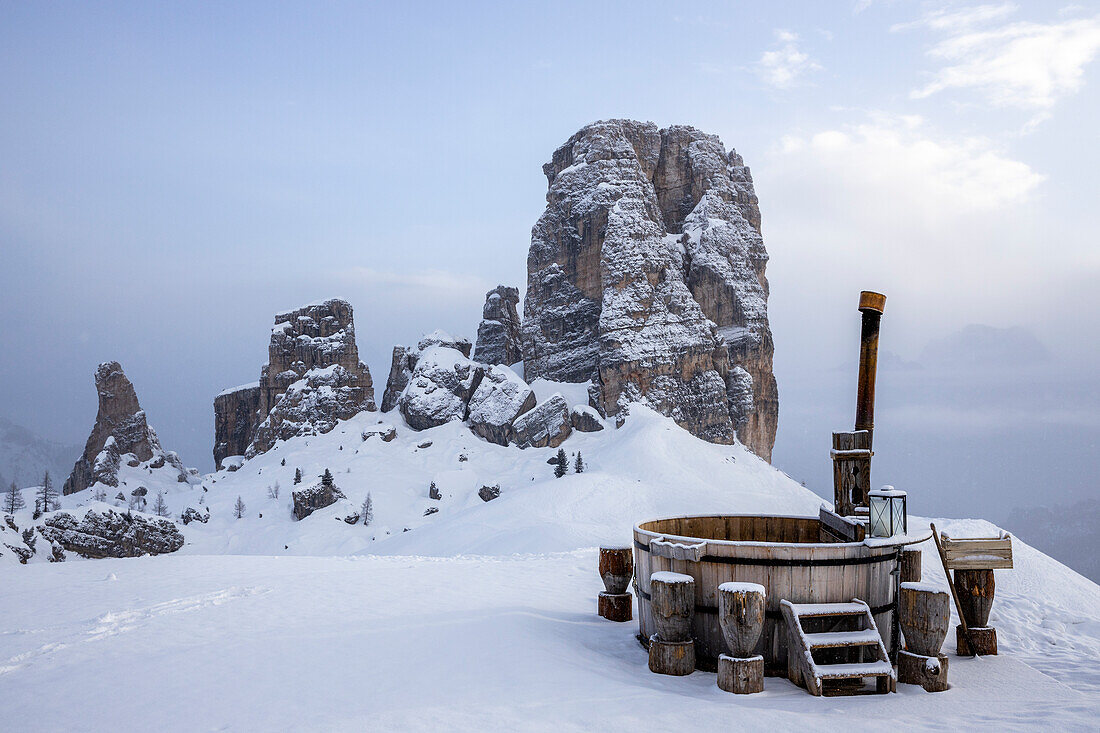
(173, 175)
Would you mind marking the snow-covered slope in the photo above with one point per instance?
(482, 615)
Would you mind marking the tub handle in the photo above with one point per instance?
(677, 550)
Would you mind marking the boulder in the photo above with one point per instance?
(440, 388)
(547, 425)
(312, 355)
(120, 430)
(112, 534)
(585, 419)
(488, 493)
(190, 514)
(404, 360)
(500, 398)
(312, 498)
(646, 276)
(498, 335)
(384, 431)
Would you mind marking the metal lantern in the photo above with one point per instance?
(887, 512)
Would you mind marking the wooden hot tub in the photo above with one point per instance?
(784, 554)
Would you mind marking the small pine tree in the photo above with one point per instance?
(297, 476)
(46, 497)
(13, 500)
(160, 506)
(238, 508)
(326, 479)
(273, 491)
(282, 462)
(562, 466)
(367, 511)
(578, 466)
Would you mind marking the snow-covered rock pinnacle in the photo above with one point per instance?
(120, 431)
(498, 336)
(646, 275)
(312, 379)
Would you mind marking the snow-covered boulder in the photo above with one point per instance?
(440, 388)
(312, 498)
(585, 419)
(112, 534)
(546, 425)
(405, 358)
(496, 403)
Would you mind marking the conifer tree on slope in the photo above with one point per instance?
(578, 467)
(13, 500)
(562, 466)
(326, 479)
(238, 508)
(297, 476)
(46, 496)
(367, 510)
(160, 507)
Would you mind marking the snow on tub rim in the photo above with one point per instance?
(784, 554)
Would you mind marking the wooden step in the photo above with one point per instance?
(815, 610)
(848, 671)
(833, 639)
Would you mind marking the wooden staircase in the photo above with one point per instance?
(834, 647)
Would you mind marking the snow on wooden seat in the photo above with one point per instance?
(829, 639)
(848, 671)
(828, 609)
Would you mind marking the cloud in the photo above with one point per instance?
(899, 158)
(782, 67)
(1019, 64)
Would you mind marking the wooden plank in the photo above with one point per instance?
(979, 563)
(841, 527)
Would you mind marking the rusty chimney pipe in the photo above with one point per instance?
(871, 305)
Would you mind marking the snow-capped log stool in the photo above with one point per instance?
(741, 616)
(671, 649)
(616, 568)
(925, 616)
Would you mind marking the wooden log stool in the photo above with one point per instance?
(975, 590)
(671, 649)
(741, 616)
(924, 616)
(616, 568)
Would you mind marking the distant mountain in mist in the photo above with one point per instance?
(978, 345)
(25, 455)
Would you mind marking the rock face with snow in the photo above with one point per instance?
(498, 336)
(646, 275)
(547, 425)
(440, 387)
(120, 430)
(236, 414)
(585, 419)
(112, 534)
(310, 499)
(496, 403)
(312, 379)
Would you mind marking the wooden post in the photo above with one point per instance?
(925, 618)
(910, 565)
(616, 570)
(975, 589)
(871, 305)
(671, 649)
(741, 616)
(851, 471)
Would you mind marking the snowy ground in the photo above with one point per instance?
(482, 616)
(478, 643)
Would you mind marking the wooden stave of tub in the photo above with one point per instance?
(870, 580)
